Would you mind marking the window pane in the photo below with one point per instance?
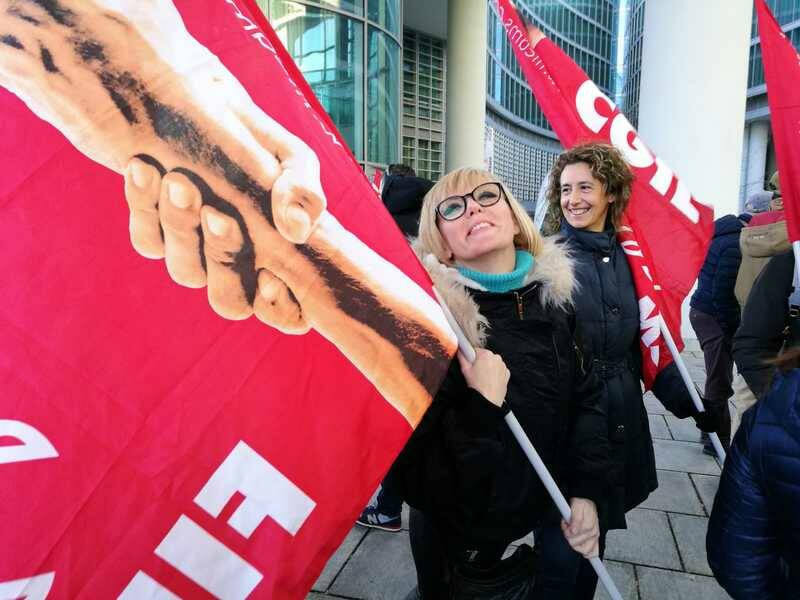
(353, 6)
(385, 13)
(383, 95)
(327, 48)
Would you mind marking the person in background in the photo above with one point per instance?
(754, 527)
(590, 186)
(715, 315)
(402, 193)
(762, 238)
(768, 323)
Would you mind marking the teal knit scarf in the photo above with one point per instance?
(502, 282)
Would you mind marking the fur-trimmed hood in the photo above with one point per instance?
(553, 269)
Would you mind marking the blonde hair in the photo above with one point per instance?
(430, 238)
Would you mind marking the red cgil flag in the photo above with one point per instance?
(782, 74)
(210, 424)
(666, 231)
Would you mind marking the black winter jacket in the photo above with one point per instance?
(754, 529)
(402, 196)
(462, 466)
(715, 284)
(764, 321)
(608, 328)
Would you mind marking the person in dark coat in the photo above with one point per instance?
(767, 324)
(715, 312)
(471, 487)
(402, 193)
(590, 186)
(753, 540)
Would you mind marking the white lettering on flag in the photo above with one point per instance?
(650, 326)
(624, 137)
(33, 446)
(631, 248)
(662, 177)
(30, 588)
(144, 587)
(587, 94)
(207, 561)
(682, 200)
(267, 493)
(634, 151)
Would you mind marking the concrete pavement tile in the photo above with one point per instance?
(335, 563)
(675, 493)
(657, 584)
(690, 533)
(624, 578)
(707, 488)
(648, 541)
(684, 456)
(381, 568)
(658, 428)
(683, 430)
(653, 406)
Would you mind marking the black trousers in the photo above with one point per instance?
(557, 565)
(717, 349)
(389, 500)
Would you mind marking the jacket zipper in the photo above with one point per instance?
(558, 359)
(520, 312)
(579, 354)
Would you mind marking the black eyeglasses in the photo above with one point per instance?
(486, 194)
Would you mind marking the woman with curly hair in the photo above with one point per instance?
(589, 189)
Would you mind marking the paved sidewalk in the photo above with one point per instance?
(661, 556)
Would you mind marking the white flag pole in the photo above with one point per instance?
(533, 456)
(687, 380)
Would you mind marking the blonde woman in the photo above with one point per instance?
(471, 486)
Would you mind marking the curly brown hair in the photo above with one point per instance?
(607, 166)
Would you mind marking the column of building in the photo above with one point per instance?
(466, 83)
(692, 96)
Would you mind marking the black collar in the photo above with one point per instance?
(590, 241)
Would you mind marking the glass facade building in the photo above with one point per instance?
(349, 52)
(520, 145)
(787, 13)
(632, 67)
(424, 85)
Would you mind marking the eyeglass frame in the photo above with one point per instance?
(471, 194)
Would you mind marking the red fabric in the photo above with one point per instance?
(670, 229)
(132, 392)
(766, 218)
(782, 76)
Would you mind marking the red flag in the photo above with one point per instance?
(668, 230)
(782, 74)
(154, 441)
(377, 178)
